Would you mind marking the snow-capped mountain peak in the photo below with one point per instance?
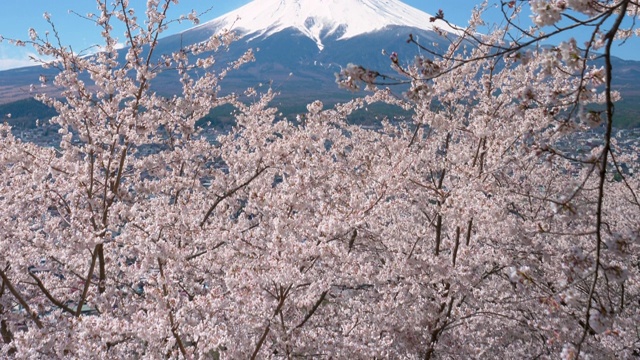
(318, 19)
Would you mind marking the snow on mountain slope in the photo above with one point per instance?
(318, 19)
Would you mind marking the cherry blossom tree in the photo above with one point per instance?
(472, 231)
(494, 121)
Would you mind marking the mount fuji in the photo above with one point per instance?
(299, 45)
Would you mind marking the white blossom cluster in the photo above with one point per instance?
(547, 12)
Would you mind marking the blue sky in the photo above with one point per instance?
(16, 17)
